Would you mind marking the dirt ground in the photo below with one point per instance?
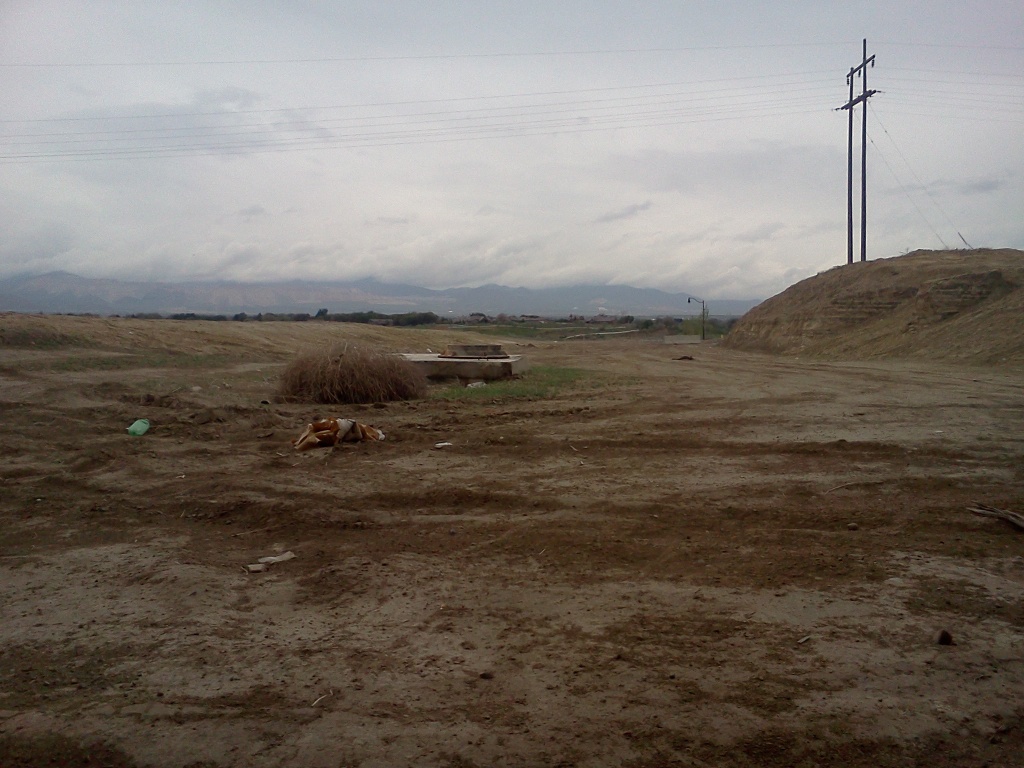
(734, 560)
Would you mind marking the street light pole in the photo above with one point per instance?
(702, 313)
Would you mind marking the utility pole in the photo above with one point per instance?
(862, 71)
(849, 179)
(703, 313)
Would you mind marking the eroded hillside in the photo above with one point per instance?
(940, 305)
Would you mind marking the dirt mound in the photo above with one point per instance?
(939, 305)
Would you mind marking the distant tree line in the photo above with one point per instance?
(713, 326)
(403, 319)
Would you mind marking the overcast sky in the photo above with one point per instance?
(688, 146)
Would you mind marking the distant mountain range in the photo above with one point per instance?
(63, 292)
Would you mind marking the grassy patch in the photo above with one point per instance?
(38, 338)
(538, 383)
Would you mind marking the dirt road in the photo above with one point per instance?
(734, 560)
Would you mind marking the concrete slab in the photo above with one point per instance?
(483, 368)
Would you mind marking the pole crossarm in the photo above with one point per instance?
(862, 65)
(851, 104)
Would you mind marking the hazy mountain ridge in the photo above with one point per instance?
(68, 293)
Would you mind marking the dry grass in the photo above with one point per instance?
(39, 338)
(350, 374)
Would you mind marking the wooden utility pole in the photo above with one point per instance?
(865, 94)
(849, 179)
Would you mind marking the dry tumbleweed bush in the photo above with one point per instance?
(350, 374)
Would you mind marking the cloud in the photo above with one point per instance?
(976, 186)
(226, 99)
(477, 168)
(624, 213)
(252, 212)
(765, 231)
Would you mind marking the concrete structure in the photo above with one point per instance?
(485, 362)
(486, 351)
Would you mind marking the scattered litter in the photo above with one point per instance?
(803, 640)
(443, 444)
(264, 563)
(139, 427)
(857, 482)
(283, 557)
(257, 530)
(1013, 518)
(684, 357)
(330, 432)
(476, 384)
(329, 693)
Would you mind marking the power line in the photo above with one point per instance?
(391, 123)
(454, 99)
(955, 45)
(393, 138)
(1014, 75)
(907, 193)
(387, 121)
(361, 141)
(919, 182)
(963, 103)
(783, 81)
(896, 110)
(721, 97)
(416, 57)
(492, 55)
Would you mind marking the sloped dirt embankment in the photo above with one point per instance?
(938, 305)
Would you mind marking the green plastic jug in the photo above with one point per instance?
(140, 427)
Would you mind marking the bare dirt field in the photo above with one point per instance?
(733, 560)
